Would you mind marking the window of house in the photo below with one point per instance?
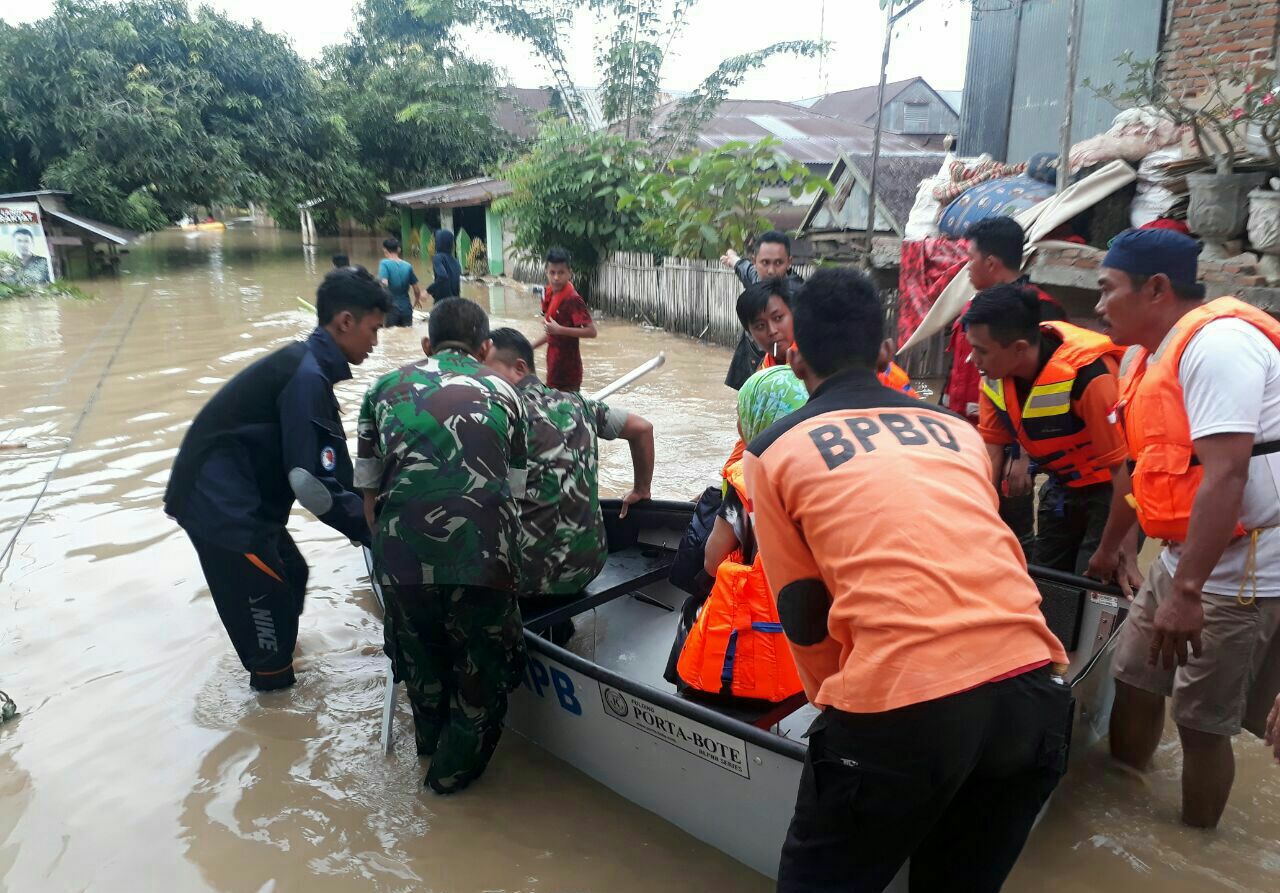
(916, 117)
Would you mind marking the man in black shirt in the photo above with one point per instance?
(272, 435)
(772, 260)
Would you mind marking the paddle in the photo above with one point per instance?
(638, 372)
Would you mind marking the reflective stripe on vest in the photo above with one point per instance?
(1045, 424)
(1153, 412)
(736, 646)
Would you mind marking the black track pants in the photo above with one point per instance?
(953, 784)
(259, 596)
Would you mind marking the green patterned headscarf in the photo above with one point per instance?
(766, 397)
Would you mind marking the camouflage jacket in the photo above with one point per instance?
(562, 540)
(443, 442)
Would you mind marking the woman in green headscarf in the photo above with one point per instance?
(765, 397)
(740, 615)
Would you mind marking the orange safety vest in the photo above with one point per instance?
(1052, 434)
(737, 646)
(895, 377)
(1166, 473)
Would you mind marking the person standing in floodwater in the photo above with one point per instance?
(445, 268)
(1200, 408)
(441, 458)
(566, 320)
(272, 435)
(397, 277)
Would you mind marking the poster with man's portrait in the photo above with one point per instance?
(24, 251)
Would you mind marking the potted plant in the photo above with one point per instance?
(1219, 203)
(1259, 106)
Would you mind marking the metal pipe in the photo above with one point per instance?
(1074, 28)
(879, 128)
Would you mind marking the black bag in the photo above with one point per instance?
(686, 570)
(688, 574)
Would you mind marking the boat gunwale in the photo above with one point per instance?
(785, 747)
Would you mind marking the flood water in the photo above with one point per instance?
(143, 761)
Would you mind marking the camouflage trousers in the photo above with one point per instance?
(460, 650)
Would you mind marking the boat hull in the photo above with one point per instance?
(731, 792)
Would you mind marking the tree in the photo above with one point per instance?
(566, 191)
(630, 65)
(142, 109)
(705, 200)
(419, 110)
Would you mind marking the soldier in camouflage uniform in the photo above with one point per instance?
(562, 536)
(441, 453)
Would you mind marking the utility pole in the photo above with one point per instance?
(875, 142)
(1074, 29)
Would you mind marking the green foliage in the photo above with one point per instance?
(705, 200)
(630, 64)
(418, 111)
(1259, 103)
(143, 109)
(571, 190)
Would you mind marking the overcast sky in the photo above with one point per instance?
(931, 41)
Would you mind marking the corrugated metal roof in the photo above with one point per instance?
(32, 195)
(860, 104)
(814, 138)
(101, 230)
(477, 191)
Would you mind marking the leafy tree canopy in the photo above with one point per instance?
(566, 192)
(142, 109)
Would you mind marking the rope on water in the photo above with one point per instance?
(7, 555)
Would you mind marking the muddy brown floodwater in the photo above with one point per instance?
(142, 761)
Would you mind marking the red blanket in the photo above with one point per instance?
(928, 266)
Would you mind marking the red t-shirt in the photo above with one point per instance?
(564, 356)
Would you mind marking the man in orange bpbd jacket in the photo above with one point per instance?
(943, 725)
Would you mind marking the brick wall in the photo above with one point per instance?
(1242, 30)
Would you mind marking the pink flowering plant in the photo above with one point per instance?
(1211, 108)
(1259, 104)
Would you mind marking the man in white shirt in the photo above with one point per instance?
(1200, 404)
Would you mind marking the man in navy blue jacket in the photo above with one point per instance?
(270, 436)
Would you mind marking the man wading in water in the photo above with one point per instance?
(442, 456)
(272, 435)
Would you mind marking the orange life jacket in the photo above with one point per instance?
(737, 646)
(1051, 433)
(895, 377)
(1166, 473)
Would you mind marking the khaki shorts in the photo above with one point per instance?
(1234, 681)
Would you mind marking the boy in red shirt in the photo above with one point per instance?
(565, 319)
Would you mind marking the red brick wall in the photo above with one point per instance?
(1241, 30)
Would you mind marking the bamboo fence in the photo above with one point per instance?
(697, 298)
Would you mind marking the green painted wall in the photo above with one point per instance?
(493, 240)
